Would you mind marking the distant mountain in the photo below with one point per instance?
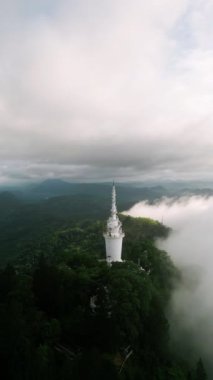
(52, 187)
(56, 187)
(206, 192)
(9, 203)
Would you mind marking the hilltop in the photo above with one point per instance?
(28, 215)
(76, 317)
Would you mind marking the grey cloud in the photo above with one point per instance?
(106, 87)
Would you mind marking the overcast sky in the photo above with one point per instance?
(94, 89)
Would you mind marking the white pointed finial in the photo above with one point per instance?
(114, 207)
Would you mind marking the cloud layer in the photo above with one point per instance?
(190, 246)
(105, 89)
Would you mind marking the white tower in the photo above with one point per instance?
(114, 234)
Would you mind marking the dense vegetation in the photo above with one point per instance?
(30, 215)
(64, 314)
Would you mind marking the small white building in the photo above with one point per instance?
(114, 234)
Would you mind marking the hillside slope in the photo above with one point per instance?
(77, 318)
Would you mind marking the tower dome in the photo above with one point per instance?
(114, 234)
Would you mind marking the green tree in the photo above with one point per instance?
(200, 371)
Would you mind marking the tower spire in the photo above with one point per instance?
(114, 234)
(114, 206)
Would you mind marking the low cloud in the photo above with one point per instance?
(190, 245)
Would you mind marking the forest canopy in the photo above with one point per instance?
(65, 314)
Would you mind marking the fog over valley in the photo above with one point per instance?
(190, 245)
